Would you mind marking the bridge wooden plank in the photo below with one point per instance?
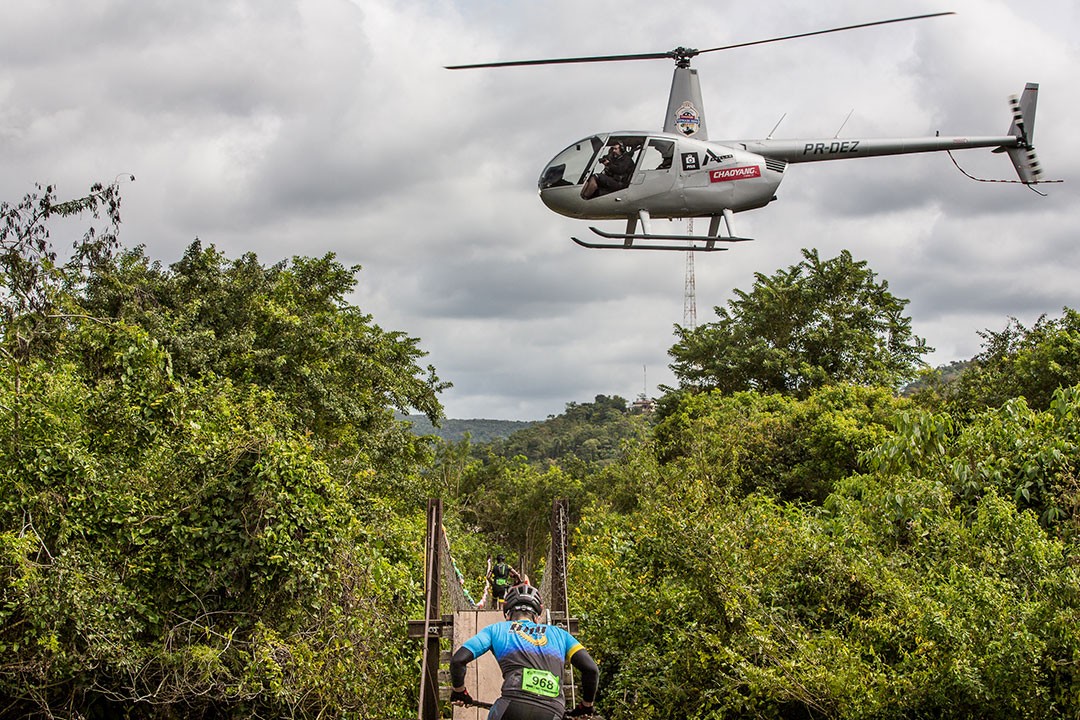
(484, 678)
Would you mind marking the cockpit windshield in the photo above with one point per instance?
(571, 165)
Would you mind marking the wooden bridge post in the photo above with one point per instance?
(558, 602)
(429, 703)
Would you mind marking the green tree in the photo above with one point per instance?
(174, 548)
(286, 328)
(886, 602)
(32, 280)
(507, 492)
(509, 501)
(816, 323)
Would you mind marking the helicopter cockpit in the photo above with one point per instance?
(571, 166)
(575, 164)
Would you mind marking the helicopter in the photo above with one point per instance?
(639, 176)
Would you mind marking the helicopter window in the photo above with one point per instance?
(658, 155)
(571, 166)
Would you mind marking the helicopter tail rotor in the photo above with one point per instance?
(1023, 126)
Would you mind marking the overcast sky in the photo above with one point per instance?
(302, 127)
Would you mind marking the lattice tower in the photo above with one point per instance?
(689, 308)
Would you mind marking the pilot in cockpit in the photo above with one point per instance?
(618, 167)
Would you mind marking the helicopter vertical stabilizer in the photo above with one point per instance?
(1023, 126)
(686, 111)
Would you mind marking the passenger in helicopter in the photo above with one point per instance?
(618, 167)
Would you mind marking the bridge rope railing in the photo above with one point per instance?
(460, 598)
(486, 597)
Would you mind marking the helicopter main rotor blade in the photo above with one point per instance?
(563, 61)
(825, 32)
(680, 54)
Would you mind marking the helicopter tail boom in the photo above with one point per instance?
(819, 150)
(1017, 143)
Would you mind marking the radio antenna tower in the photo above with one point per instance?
(689, 305)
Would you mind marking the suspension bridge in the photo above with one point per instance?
(442, 631)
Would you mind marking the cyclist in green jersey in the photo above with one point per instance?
(501, 578)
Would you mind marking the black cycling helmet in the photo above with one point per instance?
(522, 596)
(500, 558)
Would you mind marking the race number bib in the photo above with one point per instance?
(540, 682)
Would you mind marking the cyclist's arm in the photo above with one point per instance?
(590, 674)
(461, 658)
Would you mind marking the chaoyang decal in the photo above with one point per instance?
(687, 119)
(735, 173)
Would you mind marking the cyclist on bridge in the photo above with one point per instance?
(501, 577)
(531, 657)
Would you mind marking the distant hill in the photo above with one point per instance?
(479, 430)
(946, 375)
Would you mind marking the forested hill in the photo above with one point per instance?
(590, 431)
(478, 430)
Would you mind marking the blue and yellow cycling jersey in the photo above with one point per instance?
(531, 657)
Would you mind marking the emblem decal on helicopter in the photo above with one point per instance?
(687, 119)
(735, 173)
(690, 161)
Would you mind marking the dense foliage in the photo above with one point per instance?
(793, 449)
(885, 602)
(210, 507)
(202, 484)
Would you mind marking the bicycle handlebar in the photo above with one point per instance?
(488, 706)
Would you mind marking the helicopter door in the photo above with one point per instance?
(654, 169)
(613, 169)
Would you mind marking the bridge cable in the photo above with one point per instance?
(564, 544)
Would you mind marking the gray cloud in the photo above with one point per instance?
(301, 128)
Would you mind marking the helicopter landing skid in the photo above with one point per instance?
(628, 239)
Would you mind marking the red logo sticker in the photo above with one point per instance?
(735, 173)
